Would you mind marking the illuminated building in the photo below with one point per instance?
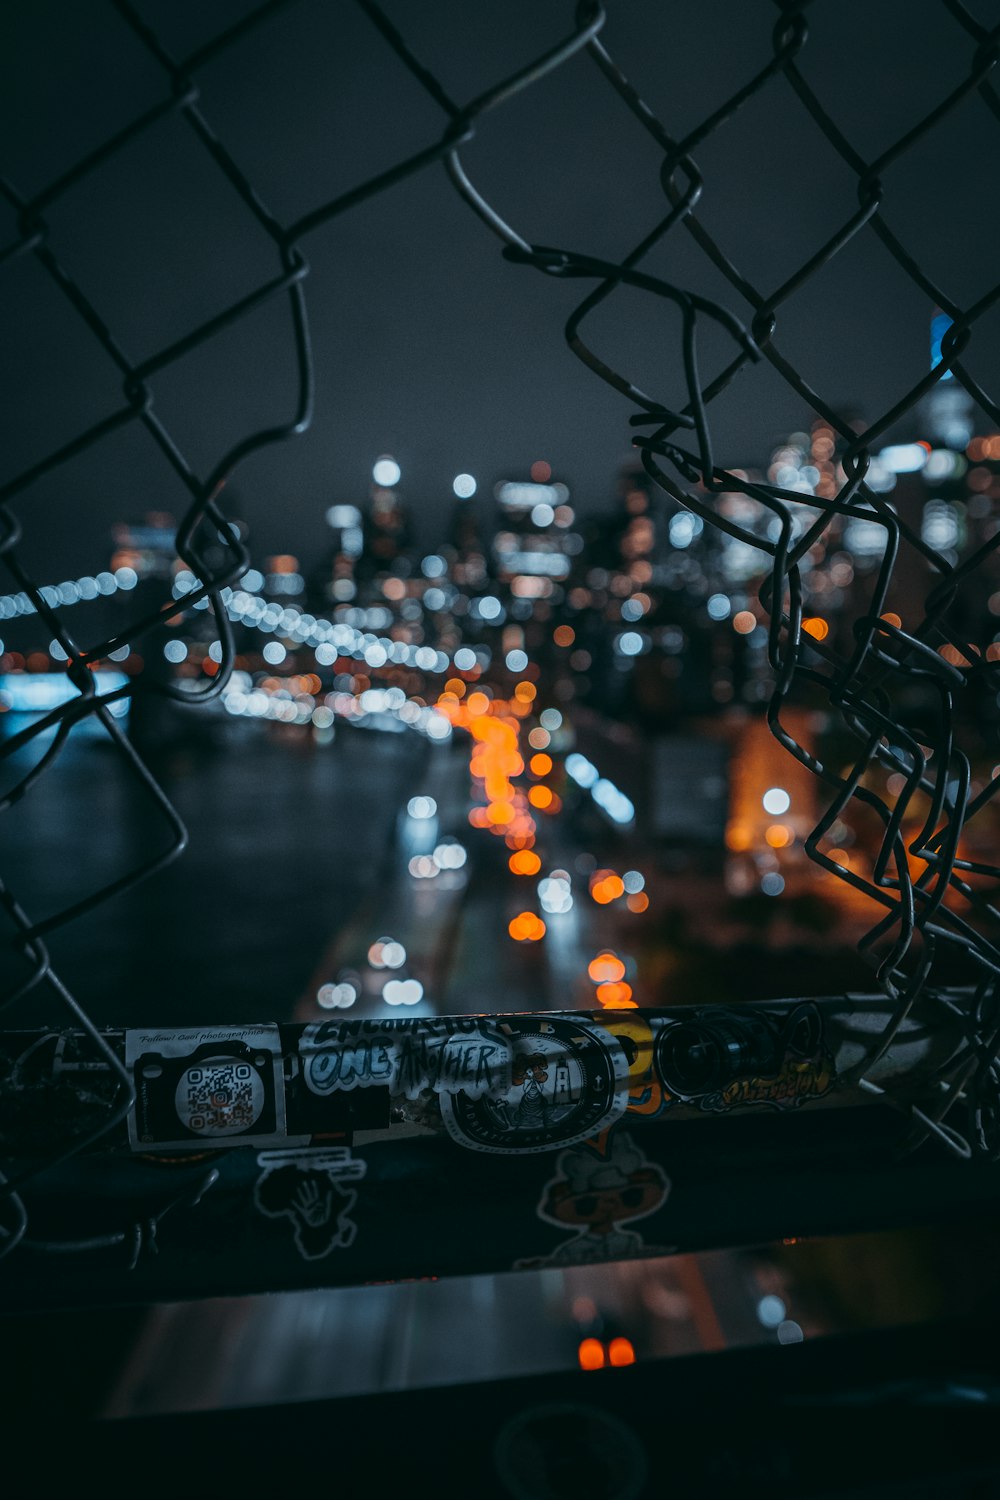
(533, 545)
(282, 579)
(332, 581)
(146, 546)
(386, 527)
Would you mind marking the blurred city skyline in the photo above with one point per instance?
(429, 344)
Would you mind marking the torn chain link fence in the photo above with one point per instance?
(934, 899)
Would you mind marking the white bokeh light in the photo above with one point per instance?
(386, 471)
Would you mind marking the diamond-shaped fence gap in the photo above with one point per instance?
(122, 836)
(68, 515)
(60, 62)
(875, 47)
(937, 197)
(775, 194)
(339, 106)
(707, 55)
(439, 273)
(758, 400)
(881, 347)
(159, 240)
(547, 189)
(48, 347)
(206, 410)
(641, 336)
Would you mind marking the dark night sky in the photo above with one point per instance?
(428, 344)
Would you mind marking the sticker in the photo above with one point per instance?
(635, 1033)
(727, 1059)
(306, 1188)
(221, 1086)
(595, 1192)
(407, 1056)
(567, 1081)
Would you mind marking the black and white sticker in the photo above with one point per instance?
(568, 1081)
(309, 1189)
(220, 1086)
(408, 1056)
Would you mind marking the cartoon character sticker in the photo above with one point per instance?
(305, 1187)
(595, 1193)
(567, 1081)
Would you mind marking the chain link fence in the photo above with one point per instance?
(932, 898)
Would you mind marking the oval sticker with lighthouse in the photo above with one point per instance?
(568, 1080)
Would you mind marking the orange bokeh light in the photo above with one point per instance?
(744, 621)
(591, 1354)
(525, 691)
(476, 704)
(621, 1352)
(817, 627)
(540, 764)
(616, 996)
(526, 927)
(564, 635)
(540, 796)
(605, 966)
(779, 835)
(638, 902)
(606, 886)
(525, 862)
(500, 813)
(738, 837)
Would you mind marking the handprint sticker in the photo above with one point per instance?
(305, 1188)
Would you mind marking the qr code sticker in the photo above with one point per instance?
(220, 1097)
